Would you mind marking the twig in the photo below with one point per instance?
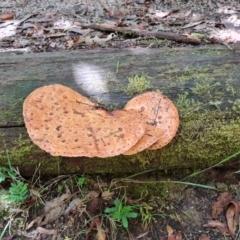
(138, 33)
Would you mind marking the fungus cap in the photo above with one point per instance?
(65, 123)
(159, 112)
(152, 134)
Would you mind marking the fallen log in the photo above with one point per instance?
(202, 82)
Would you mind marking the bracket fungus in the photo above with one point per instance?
(64, 123)
(161, 114)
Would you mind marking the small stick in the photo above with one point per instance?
(144, 33)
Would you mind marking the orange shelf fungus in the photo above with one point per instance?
(64, 123)
(161, 114)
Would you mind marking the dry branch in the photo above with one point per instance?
(138, 33)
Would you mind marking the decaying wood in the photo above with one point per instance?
(202, 82)
(144, 33)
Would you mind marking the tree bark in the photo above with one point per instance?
(202, 82)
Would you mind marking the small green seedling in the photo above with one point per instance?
(121, 213)
(18, 192)
(60, 187)
(81, 181)
(7, 173)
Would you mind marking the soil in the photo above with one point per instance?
(165, 210)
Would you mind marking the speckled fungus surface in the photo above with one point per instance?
(160, 113)
(152, 134)
(65, 123)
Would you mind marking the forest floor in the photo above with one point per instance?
(74, 207)
(49, 25)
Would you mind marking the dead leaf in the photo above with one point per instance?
(89, 40)
(142, 235)
(47, 231)
(204, 237)
(101, 235)
(74, 204)
(52, 232)
(6, 16)
(79, 30)
(121, 12)
(37, 20)
(160, 14)
(180, 13)
(201, 26)
(107, 195)
(179, 236)
(221, 204)
(56, 35)
(232, 216)
(8, 237)
(191, 24)
(39, 31)
(169, 230)
(222, 227)
(52, 45)
(91, 195)
(198, 19)
(17, 22)
(52, 210)
(36, 221)
(94, 206)
(69, 44)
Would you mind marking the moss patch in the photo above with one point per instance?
(136, 85)
(11, 99)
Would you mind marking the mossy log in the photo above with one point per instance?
(202, 82)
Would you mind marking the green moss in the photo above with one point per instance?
(236, 106)
(21, 154)
(11, 115)
(12, 100)
(136, 85)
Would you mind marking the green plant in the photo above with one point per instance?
(81, 181)
(60, 187)
(18, 192)
(146, 215)
(136, 85)
(121, 212)
(215, 165)
(7, 173)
